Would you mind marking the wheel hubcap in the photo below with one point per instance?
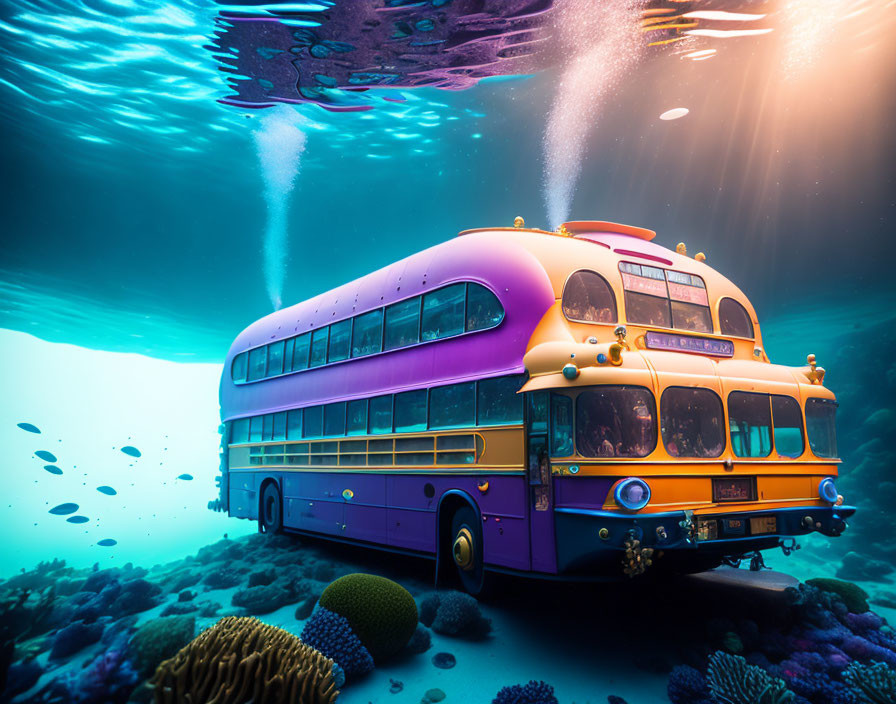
(463, 550)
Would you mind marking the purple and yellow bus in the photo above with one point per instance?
(579, 402)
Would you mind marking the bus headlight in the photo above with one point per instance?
(827, 490)
(632, 494)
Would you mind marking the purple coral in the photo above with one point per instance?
(687, 686)
(535, 692)
(332, 635)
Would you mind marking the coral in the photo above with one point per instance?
(209, 609)
(180, 608)
(74, 637)
(856, 567)
(874, 683)
(818, 688)
(455, 614)
(262, 578)
(136, 595)
(332, 635)
(431, 696)
(240, 660)
(420, 642)
(184, 580)
(732, 643)
(853, 596)
(159, 639)
(22, 676)
(222, 578)
(687, 686)
(535, 692)
(428, 609)
(381, 612)
(217, 552)
(733, 681)
(45, 575)
(444, 661)
(263, 599)
(109, 678)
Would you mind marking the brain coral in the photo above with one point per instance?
(241, 660)
(381, 612)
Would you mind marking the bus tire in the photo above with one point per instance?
(466, 551)
(270, 509)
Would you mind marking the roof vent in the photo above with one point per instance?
(593, 227)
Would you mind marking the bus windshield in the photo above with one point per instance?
(820, 414)
(692, 422)
(615, 421)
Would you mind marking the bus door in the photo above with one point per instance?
(543, 552)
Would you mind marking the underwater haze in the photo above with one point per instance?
(175, 171)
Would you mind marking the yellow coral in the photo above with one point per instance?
(241, 660)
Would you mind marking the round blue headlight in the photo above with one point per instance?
(827, 490)
(632, 494)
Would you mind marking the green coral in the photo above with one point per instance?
(381, 612)
(159, 639)
(733, 681)
(853, 596)
(874, 683)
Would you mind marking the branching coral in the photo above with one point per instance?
(871, 684)
(734, 681)
(241, 660)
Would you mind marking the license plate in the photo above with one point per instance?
(733, 489)
(763, 525)
(707, 529)
(733, 526)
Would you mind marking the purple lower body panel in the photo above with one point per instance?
(396, 510)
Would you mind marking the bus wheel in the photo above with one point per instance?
(270, 514)
(466, 550)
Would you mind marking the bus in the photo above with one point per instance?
(582, 403)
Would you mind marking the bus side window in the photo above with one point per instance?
(561, 425)
(498, 401)
(379, 415)
(239, 430)
(484, 310)
(402, 325)
(319, 339)
(257, 363)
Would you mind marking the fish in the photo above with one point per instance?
(64, 509)
(131, 450)
(46, 456)
(107, 542)
(30, 428)
(77, 519)
(107, 490)
(52, 469)
(186, 477)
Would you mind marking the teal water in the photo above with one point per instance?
(144, 224)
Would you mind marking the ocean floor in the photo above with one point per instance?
(81, 635)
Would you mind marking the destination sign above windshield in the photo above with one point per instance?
(687, 343)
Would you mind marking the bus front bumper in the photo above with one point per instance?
(590, 539)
